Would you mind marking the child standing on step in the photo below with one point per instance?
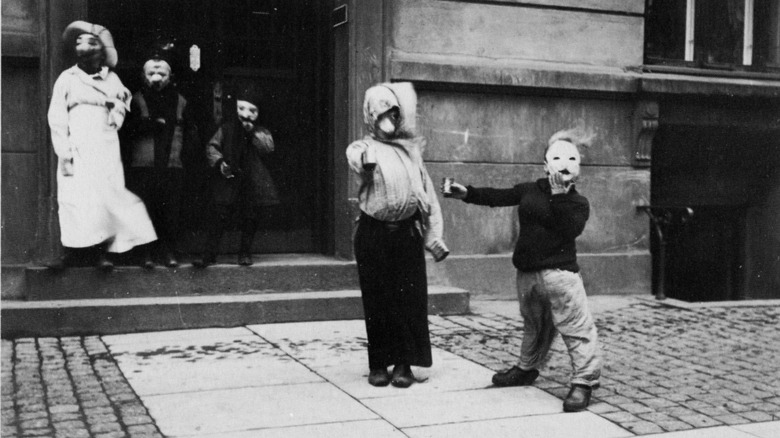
(241, 184)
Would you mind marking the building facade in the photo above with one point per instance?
(678, 121)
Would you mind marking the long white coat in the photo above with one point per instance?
(94, 206)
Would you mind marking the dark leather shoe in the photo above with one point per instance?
(204, 260)
(515, 377)
(61, 262)
(170, 260)
(379, 377)
(104, 264)
(578, 398)
(245, 259)
(402, 376)
(148, 263)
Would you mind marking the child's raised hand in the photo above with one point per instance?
(225, 170)
(456, 190)
(66, 164)
(557, 185)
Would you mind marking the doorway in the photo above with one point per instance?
(283, 47)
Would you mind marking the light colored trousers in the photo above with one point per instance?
(552, 301)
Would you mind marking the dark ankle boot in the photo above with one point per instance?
(378, 377)
(204, 260)
(65, 260)
(103, 262)
(209, 256)
(170, 259)
(578, 398)
(515, 377)
(147, 262)
(402, 376)
(245, 259)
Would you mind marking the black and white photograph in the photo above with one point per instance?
(390, 218)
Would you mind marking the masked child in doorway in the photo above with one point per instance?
(88, 106)
(552, 297)
(241, 184)
(160, 132)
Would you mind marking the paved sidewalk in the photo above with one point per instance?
(683, 373)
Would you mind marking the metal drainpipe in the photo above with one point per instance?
(662, 218)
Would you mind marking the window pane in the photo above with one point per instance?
(766, 37)
(719, 31)
(665, 30)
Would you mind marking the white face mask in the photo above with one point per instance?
(89, 49)
(247, 113)
(563, 157)
(388, 123)
(157, 74)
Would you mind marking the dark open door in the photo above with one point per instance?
(281, 45)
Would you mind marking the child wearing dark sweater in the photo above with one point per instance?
(550, 289)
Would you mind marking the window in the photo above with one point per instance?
(714, 34)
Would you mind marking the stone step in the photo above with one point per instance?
(99, 316)
(270, 273)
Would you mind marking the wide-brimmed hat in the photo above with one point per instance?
(79, 27)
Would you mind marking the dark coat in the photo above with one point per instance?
(150, 143)
(252, 185)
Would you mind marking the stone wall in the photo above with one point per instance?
(494, 82)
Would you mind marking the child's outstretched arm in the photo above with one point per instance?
(483, 196)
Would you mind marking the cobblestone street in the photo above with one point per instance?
(665, 369)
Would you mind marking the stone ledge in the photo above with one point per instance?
(128, 315)
(493, 276)
(474, 71)
(489, 72)
(269, 273)
(708, 86)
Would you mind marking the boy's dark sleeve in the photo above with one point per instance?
(570, 212)
(214, 150)
(494, 197)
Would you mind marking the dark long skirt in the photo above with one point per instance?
(393, 282)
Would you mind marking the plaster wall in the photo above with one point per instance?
(488, 129)
(609, 34)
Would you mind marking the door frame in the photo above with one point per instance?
(360, 60)
(363, 62)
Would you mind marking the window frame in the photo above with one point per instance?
(689, 63)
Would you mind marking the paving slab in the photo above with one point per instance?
(460, 406)
(693, 372)
(448, 373)
(580, 425)
(346, 429)
(709, 432)
(180, 375)
(336, 350)
(307, 331)
(237, 410)
(159, 339)
(770, 429)
(202, 360)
